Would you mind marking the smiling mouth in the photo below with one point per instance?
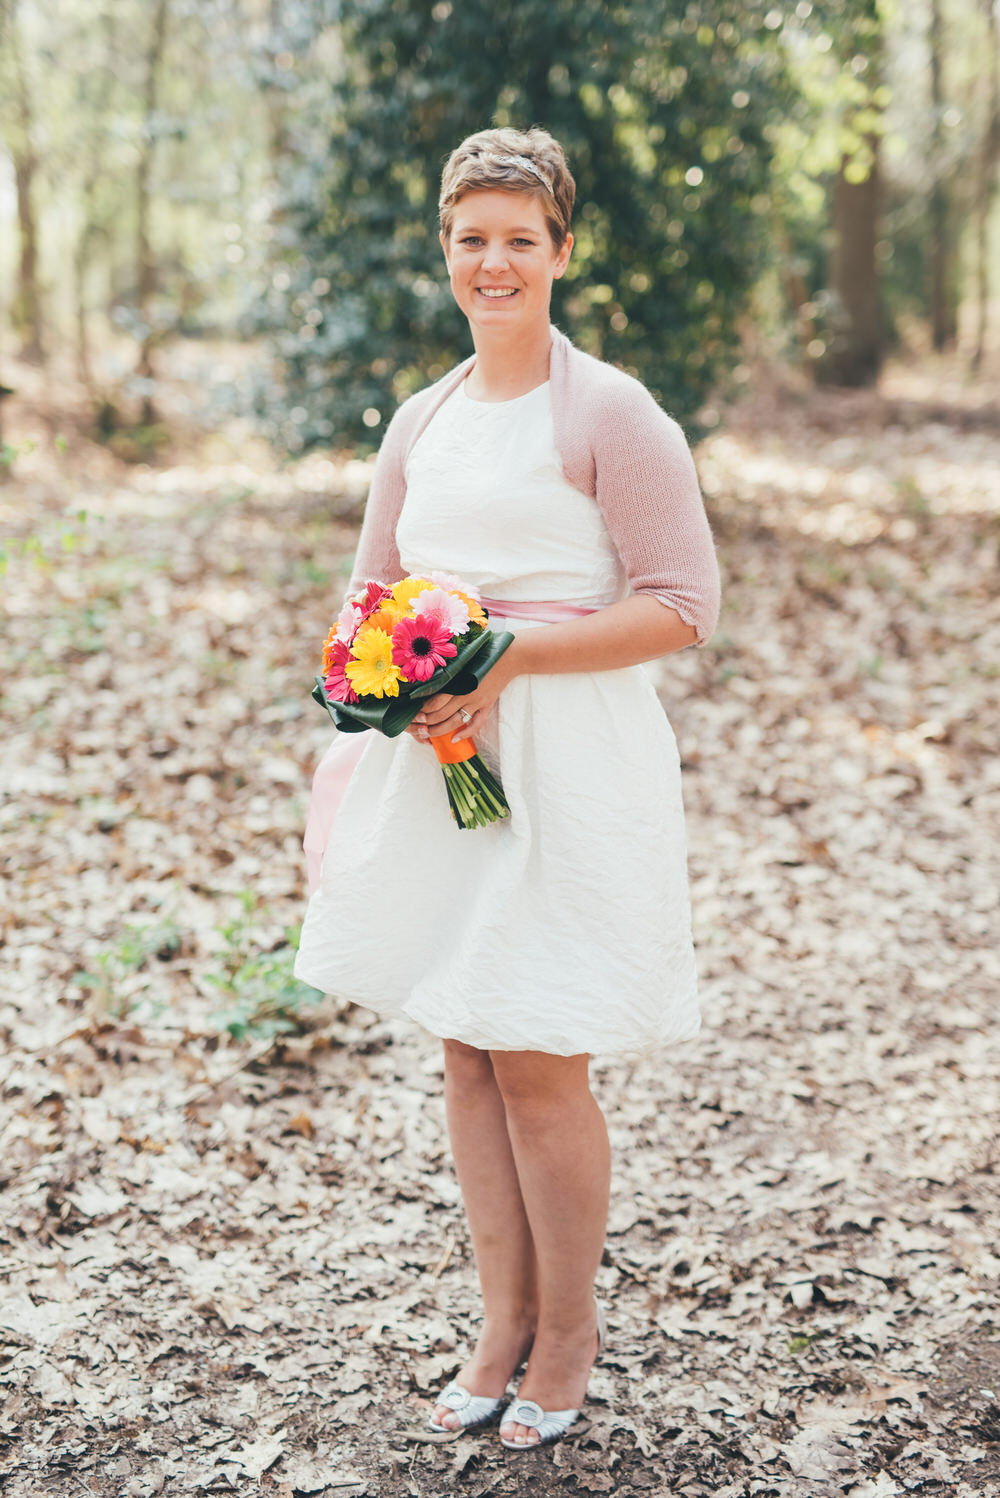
(497, 293)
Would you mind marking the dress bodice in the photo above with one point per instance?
(487, 500)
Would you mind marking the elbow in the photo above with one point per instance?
(708, 619)
(707, 603)
(698, 613)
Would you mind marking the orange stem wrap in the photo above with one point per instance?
(451, 753)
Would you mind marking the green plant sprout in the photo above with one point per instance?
(263, 997)
(129, 954)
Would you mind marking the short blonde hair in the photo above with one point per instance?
(528, 161)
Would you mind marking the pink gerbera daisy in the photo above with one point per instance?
(335, 658)
(349, 619)
(438, 604)
(420, 645)
(371, 597)
(453, 584)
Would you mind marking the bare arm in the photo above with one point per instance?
(637, 629)
(624, 634)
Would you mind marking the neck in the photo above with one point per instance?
(508, 367)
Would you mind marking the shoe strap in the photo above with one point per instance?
(458, 1399)
(527, 1412)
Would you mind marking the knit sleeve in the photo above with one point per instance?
(647, 488)
(377, 555)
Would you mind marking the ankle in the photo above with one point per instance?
(510, 1321)
(568, 1335)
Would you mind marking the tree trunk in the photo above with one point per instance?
(26, 313)
(986, 178)
(145, 263)
(81, 261)
(277, 102)
(943, 309)
(856, 336)
(854, 353)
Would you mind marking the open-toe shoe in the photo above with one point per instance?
(551, 1425)
(473, 1410)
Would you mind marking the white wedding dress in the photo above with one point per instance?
(565, 928)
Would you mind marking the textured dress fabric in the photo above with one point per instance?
(565, 928)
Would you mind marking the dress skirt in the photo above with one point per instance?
(564, 928)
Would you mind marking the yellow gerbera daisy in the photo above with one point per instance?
(373, 673)
(405, 592)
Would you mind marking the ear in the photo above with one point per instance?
(562, 259)
(444, 245)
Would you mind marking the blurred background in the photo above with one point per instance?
(240, 195)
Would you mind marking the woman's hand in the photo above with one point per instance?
(443, 713)
(634, 629)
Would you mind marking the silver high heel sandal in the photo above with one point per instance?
(472, 1410)
(550, 1424)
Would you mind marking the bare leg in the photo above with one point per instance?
(501, 1238)
(560, 1146)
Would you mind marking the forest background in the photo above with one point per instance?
(230, 1233)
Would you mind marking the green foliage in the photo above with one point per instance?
(34, 548)
(262, 997)
(140, 443)
(665, 115)
(9, 452)
(128, 955)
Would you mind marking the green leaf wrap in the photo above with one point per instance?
(390, 715)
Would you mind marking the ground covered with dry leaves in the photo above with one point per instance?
(235, 1262)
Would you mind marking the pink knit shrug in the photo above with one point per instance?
(616, 445)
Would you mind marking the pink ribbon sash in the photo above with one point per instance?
(334, 771)
(546, 611)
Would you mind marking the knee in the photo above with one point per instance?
(466, 1068)
(536, 1090)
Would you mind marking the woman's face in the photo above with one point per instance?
(501, 260)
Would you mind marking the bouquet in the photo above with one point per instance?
(392, 648)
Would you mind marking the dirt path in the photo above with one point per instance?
(230, 1268)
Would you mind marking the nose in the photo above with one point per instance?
(495, 257)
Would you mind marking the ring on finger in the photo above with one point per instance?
(465, 715)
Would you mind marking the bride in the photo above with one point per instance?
(556, 486)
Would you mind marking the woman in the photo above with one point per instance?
(556, 485)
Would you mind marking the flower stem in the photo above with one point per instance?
(474, 794)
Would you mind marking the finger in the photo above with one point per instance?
(434, 705)
(452, 709)
(450, 725)
(468, 730)
(429, 715)
(458, 722)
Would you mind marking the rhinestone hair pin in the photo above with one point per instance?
(528, 165)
